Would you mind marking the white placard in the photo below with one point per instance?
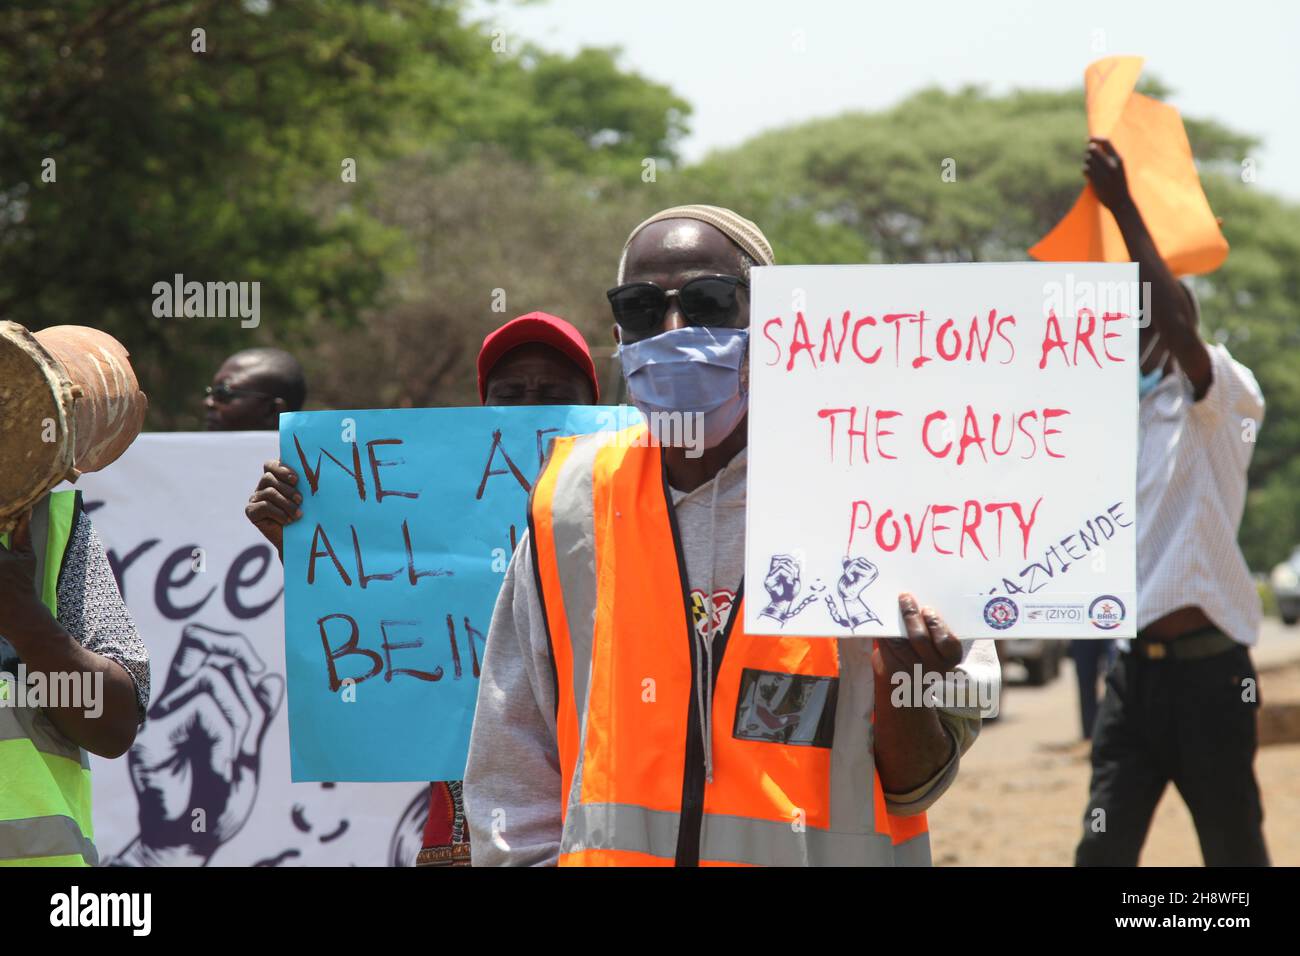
(965, 432)
(170, 513)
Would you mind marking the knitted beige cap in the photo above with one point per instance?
(736, 227)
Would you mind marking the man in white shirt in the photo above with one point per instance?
(1181, 702)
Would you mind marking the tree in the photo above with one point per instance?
(213, 140)
(582, 113)
(492, 237)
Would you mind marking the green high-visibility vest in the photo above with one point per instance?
(44, 777)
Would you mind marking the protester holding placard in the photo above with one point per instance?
(625, 717)
(1181, 701)
(535, 359)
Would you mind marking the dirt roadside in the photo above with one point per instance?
(1020, 795)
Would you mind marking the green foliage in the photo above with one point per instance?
(543, 239)
(579, 113)
(225, 164)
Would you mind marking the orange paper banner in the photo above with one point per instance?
(1162, 179)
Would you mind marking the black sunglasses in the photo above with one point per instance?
(709, 300)
(223, 394)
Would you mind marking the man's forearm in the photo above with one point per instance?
(104, 719)
(1171, 314)
(911, 745)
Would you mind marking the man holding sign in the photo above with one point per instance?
(625, 715)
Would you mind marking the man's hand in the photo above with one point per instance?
(929, 643)
(911, 744)
(20, 604)
(1104, 168)
(275, 503)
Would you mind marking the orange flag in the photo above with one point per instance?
(1162, 179)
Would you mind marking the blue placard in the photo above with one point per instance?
(409, 520)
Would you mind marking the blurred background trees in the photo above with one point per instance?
(219, 156)
(492, 182)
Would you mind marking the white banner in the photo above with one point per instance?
(206, 591)
(965, 432)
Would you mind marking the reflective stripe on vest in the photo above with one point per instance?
(610, 573)
(45, 794)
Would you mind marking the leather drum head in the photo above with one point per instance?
(35, 400)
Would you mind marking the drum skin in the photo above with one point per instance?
(108, 406)
(69, 404)
(36, 449)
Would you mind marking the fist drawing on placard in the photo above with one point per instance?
(853, 611)
(196, 761)
(782, 584)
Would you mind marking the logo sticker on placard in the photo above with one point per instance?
(1106, 612)
(1001, 613)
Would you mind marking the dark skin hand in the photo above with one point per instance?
(532, 374)
(1172, 315)
(911, 744)
(275, 503)
(45, 647)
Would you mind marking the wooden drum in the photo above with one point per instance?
(69, 404)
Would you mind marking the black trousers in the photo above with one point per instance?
(1191, 722)
(1092, 659)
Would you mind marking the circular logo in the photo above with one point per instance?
(1106, 612)
(1001, 613)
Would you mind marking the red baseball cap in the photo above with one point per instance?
(540, 328)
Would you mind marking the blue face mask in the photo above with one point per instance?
(695, 370)
(1151, 380)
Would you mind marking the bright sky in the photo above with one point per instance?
(750, 66)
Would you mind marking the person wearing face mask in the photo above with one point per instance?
(1181, 701)
(624, 715)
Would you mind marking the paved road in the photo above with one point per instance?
(1020, 796)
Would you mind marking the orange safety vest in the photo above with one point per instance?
(609, 566)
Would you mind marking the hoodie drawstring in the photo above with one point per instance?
(704, 640)
(706, 716)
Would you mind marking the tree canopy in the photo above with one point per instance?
(210, 139)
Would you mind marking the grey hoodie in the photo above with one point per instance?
(512, 780)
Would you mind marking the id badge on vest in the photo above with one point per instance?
(796, 709)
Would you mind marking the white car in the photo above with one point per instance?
(1285, 581)
(1041, 658)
